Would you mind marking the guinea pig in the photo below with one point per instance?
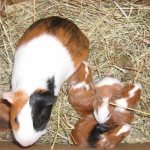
(81, 91)
(47, 54)
(87, 131)
(118, 119)
(105, 89)
(111, 137)
(128, 96)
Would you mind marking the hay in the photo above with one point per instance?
(119, 34)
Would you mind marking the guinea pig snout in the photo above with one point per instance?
(28, 139)
(25, 143)
(102, 113)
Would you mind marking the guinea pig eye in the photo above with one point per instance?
(16, 120)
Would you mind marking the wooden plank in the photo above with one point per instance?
(13, 146)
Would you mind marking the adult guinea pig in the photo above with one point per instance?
(48, 53)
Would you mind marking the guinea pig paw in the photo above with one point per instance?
(110, 146)
(104, 142)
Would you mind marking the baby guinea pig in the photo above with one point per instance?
(81, 91)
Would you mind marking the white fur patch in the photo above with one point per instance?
(137, 86)
(81, 85)
(102, 114)
(125, 128)
(37, 61)
(86, 69)
(122, 103)
(107, 81)
(26, 135)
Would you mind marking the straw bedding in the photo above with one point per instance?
(119, 34)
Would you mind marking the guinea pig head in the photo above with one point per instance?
(105, 89)
(81, 78)
(29, 114)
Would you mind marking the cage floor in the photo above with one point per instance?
(12, 146)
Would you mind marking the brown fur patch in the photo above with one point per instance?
(118, 118)
(20, 99)
(133, 101)
(108, 90)
(111, 139)
(105, 91)
(66, 31)
(4, 115)
(126, 116)
(81, 99)
(82, 130)
(81, 75)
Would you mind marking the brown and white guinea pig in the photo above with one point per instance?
(4, 115)
(87, 132)
(111, 137)
(48, 53)
(117, 119)
(81, 92)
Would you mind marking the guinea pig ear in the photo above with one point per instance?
(44, 97)
(97, 101)
(8, 96)
(4, 115)
(50, 101)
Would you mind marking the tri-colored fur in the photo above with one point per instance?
(109, 125)
(47, 54)
(118, 119)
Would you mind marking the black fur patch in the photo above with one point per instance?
(56, 22)
(51, 85)
(42, 103)
(96, 132)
